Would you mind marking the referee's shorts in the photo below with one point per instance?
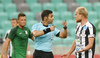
(42, 54)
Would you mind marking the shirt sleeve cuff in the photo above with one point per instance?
(91, 35)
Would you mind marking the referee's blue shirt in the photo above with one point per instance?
(45, 41)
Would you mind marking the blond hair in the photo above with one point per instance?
(83, 11)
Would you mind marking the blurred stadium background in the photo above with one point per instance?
(61, 9)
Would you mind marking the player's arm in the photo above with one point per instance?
(5, 46)
(63, 34)
(89, 46)
(2, 49)
(70, 51)
(72, 48)
(28, 49)
(33, 38)
(42, 32)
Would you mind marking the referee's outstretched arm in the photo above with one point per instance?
(37, 33)
(63, 34)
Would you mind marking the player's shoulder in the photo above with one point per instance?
(8, 31)
(26, 28)
(89, 24)
(15, 28)
(37, 24)
(78, 24)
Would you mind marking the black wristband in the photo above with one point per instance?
(46, 30)
(65, 28)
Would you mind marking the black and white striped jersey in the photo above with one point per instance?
(81, 37)
(10, 46)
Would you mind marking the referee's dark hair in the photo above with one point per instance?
(45, 13)
(20, 15)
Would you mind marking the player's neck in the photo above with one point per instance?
(20, 27)
(83, 22)
(45, 23)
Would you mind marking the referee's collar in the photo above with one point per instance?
(44, 25)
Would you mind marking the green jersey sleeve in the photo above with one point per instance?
(30, 34)
(12, 33)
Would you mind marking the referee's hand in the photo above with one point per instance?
(52, 28)
(64, 23)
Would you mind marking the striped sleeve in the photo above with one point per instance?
(91, 31)
(6, 35)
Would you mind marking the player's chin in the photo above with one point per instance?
(23, 25)
(77, 21)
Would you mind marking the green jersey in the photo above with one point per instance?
(19, 38)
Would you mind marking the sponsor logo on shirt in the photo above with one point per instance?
(26, 32)
(20, 33)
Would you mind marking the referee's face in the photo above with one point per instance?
(50, 18)
(78, 17)
(22, 21)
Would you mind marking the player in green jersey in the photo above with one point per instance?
(19, 37)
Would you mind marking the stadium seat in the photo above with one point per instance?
(56, 15)
(1, 7)
(81, 1)
(1, 33)
(93, 1)
(43, 1)
(66, 15)
(9, 8)
(99, 15)
(18, 1)
(72, 6)
(6, 1)
(68, 41)
(57, 41)
(98, 26)
(94, 22)
(13, 15)
(58, 23)
(56, 1)
(36, 7)
(29, 15)
(38, 16)
(23, 7)
(3, 16)
(71, 24)
(72, 32)
(30, 23)
(87, 5)
(48, 6)
(92, 15)
(96, 6)
(68, 1)
(6, 25)
(61, 7)
(31, 1)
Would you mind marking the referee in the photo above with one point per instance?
(44, 33)
(84, 43)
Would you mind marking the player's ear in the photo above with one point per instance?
(45, 18)
(17, 20)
